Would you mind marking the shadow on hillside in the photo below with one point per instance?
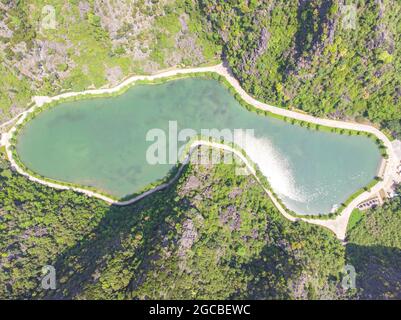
(308, 34)
(269, 274)
(143, 223)
(378, 270)
(378, 273)
(147, 224)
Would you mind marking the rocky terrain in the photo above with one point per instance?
(48, 47)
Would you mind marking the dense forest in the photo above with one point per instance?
(327, 57)
(212, 235)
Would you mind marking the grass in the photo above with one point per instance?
(355, 217)
(20, 88)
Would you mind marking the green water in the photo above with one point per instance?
(102, 143)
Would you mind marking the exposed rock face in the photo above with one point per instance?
(235, 192)
(232, 217)
(188, 237)
(193, 183)
(383, 39)
(44, 60)
(114, 75)
(84, 8)
(187, 46)
(250, 58)
(4, 30)
(124, 23)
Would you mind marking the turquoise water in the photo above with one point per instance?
(102, 143)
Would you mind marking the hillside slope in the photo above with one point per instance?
(50, 46)
(374, 248)
(321, 56)
(212, 235)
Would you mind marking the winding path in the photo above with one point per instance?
(338, 225)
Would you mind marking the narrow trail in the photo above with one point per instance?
(338, 224)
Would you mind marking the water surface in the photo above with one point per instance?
(102, 143)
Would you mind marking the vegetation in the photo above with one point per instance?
(36, 225)
(319, 56)
(90, 45)
(381, 225)
(355, 217)
(198, 239)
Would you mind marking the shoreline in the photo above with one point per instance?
(338, 224)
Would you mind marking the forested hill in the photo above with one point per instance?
(321, 56)
(212, 235)
(333, 58)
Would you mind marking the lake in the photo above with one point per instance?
(102, 143)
